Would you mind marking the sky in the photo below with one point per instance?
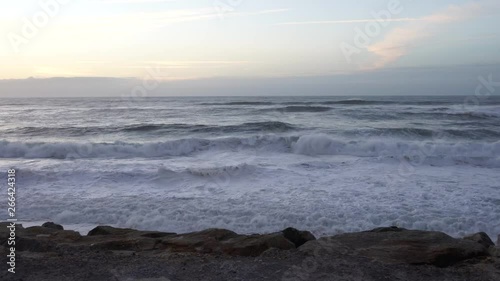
(172, 40)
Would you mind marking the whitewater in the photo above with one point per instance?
(255, 164)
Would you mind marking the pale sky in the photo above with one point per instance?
(189, 39)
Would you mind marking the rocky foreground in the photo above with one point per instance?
(49, 252)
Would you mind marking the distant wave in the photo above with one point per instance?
(240, 103)
(359, 102)
(156, 127)
(300, 109)
(434, 113)
(269, 126)
(477, 153)
(353, 101)
(455, 114)
(412, 133)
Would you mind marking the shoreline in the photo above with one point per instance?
(83, 229)
(108, 253)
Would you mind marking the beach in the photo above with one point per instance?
(49, 252)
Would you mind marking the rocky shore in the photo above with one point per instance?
(49, 252)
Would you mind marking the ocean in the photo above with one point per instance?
(255, 164)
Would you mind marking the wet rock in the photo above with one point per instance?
(207, 241)
(114, 231)
(155, 234)
(37, 230)
(481, 238)
(227, 242)
(123, 239)
(400, 246)
(53, 225)
(123, 244)
(387, 229)
(39, 238)
(297, 237)
(215, 233)
(254, 245)
(109, 230)
(66, 236)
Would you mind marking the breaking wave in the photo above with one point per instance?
(477, 153)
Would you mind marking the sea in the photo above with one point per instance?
(255, 164)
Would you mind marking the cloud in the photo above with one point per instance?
(187, 64)
(345, 21)
(271, 11)
(398, 42)
(135, 20)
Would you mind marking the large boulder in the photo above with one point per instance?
(53, 225)
(254, 245)
(206, 241)
(38, 230)
(395, 245)
(481, 238)
(114, 231)
(120, 243)
(298, 238)
(109, 230)
(388, 229)
(227, 242)
(123, 239)
(38, 238)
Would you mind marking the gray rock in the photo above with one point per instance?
(39, 238)
(207, 241)
(53, 225)
(481, 238)
(254, 245)
(109, 230)
(387, 229)
(155, 234)
(400, 246)
(114, 231)
(120, 243)
(36, 230)
(297, 237)
(226, 242)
